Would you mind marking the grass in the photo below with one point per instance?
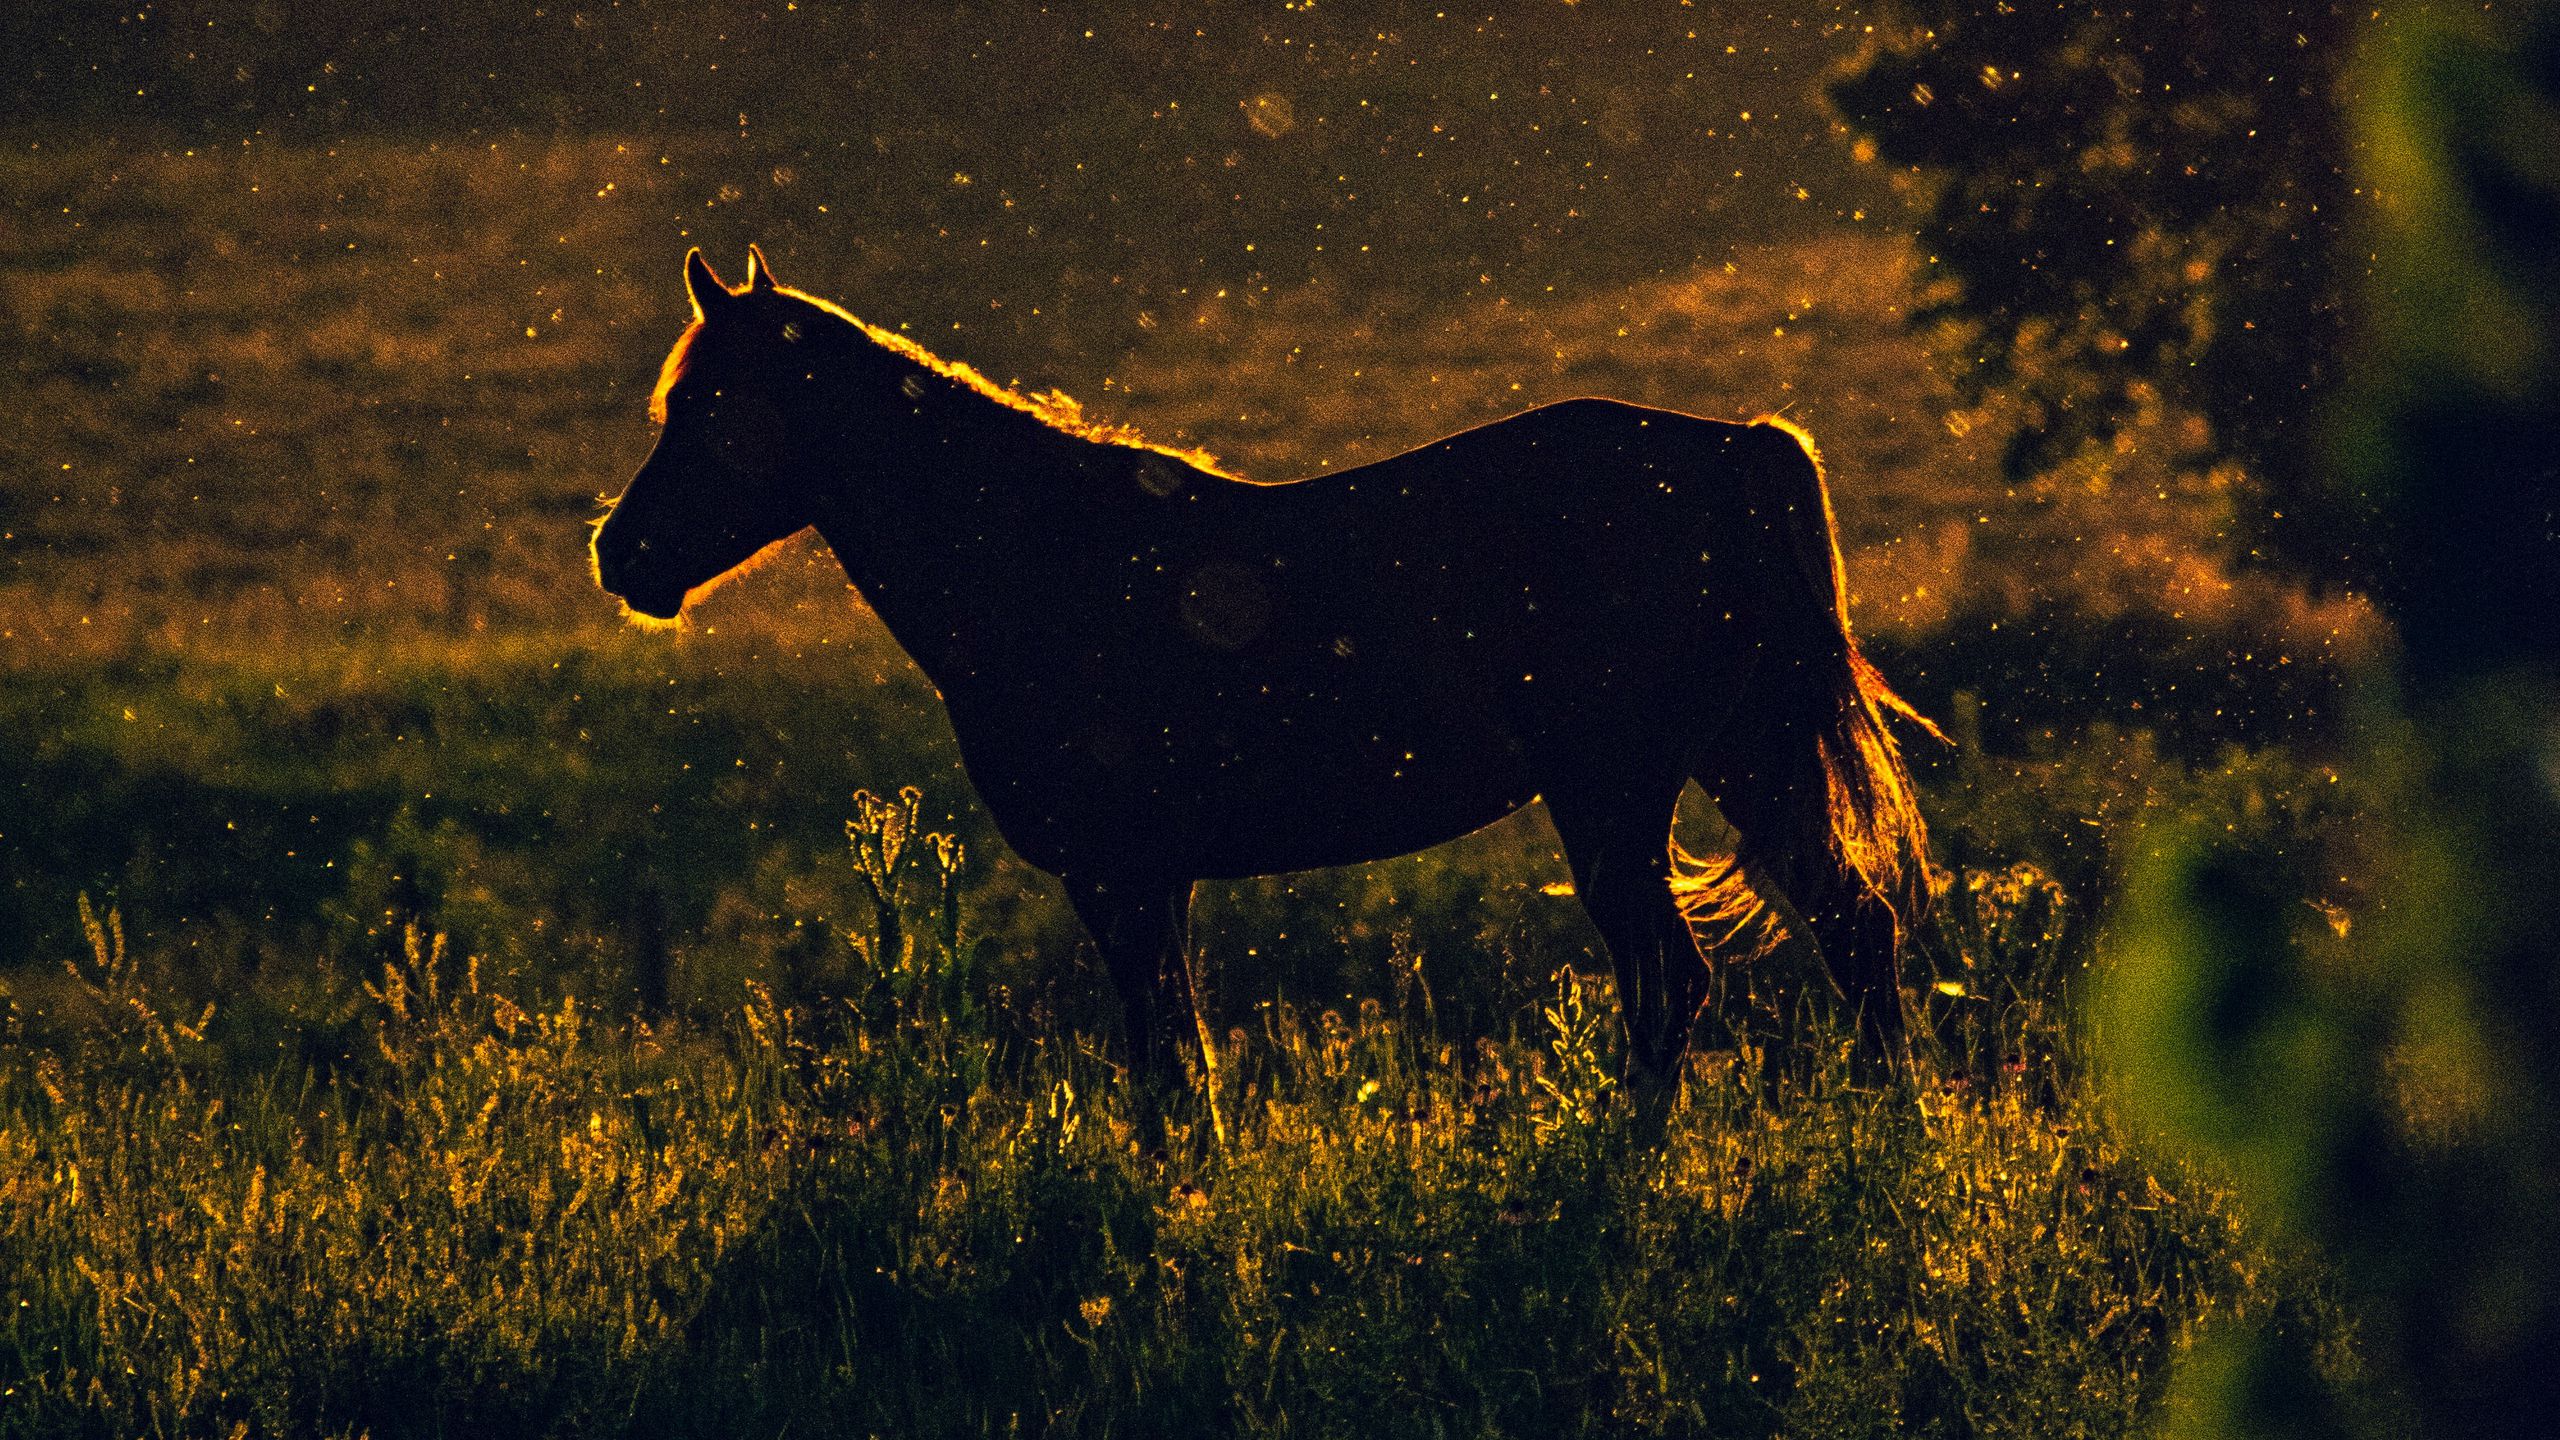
(910, 1207)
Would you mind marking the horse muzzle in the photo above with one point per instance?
(654, 602)
(627, 575)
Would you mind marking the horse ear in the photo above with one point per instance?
(704, 288)
(759, 274)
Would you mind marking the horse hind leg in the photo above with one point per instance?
(1792, 860)
(1618, 845)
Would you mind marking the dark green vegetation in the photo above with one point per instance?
(300, 668)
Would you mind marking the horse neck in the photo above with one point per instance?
(922, 493)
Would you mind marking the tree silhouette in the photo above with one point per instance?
(2140, 206)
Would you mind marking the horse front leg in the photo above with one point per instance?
(1618, 844)
(1143, 929)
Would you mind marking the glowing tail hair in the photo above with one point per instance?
(1875, 827)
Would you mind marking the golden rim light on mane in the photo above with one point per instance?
(1054, 408)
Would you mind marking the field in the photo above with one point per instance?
(435, 1007)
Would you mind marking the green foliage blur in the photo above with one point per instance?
(2391, 1092)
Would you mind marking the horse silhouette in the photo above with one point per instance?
(1159, 673)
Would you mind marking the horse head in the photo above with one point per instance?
(722, 483)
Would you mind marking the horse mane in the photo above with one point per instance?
(677, 361)
(1054, 408)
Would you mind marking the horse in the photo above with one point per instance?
(1160, 673)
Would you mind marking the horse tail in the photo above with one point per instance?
(1812, 677)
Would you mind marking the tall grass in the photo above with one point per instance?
(909, 1206)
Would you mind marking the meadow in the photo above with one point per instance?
(435, 1007)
